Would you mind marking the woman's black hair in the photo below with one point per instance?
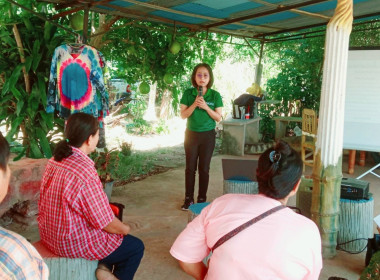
(208, 67)
(79, 128)
(4, 152)
(279, 169)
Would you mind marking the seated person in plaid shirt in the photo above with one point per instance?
(75, 219)
(18, 258)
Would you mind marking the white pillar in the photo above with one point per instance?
(327, 170)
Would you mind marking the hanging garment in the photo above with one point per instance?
(76, 82)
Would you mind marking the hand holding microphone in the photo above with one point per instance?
(200, 92)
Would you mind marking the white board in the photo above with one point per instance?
(362, 105)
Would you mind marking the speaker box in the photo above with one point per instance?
(303, 198)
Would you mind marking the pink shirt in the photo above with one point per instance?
(284, 245)
(74, 209)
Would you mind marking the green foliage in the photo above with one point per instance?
(300, 77)
(161, 127)
(142, 127)
(133, 165)
(137, 107)
(366, 35)
(121, 165)
(23, 111)
(298, 84)
(139, 126)
(140, 52)
(372, 271)
(106, 162)
(267, 125)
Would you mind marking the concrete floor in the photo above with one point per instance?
(152, 208)
(153, 211)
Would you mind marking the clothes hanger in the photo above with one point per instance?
(78, 45)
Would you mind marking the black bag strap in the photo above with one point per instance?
(235, 231)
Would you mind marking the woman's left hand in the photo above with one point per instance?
(202, 103)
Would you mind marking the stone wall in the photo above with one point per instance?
(25, 182)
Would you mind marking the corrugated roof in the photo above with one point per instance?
(243, 18)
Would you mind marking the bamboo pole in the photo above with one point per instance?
(21, 51)
(327, 170)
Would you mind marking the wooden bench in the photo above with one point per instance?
(66, 268)
(281, 123)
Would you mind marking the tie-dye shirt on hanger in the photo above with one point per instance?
(76, 82)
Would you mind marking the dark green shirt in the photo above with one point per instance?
(199, 120)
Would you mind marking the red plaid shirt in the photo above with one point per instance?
(73, 210)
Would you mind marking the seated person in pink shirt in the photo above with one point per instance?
(18, 258)
(284, 245)
(75, 219)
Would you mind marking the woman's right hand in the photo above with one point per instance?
(198, 101)
(378, 229)
(118, 227)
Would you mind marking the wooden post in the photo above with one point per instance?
(327, 170)
(351, 161)
(85, 25)
(362, 158)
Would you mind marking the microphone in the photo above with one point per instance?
(200, 91)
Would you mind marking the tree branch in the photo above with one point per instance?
(22, 57)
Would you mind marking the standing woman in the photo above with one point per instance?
(74, 218)
(202, 106)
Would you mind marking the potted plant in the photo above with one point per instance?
(106, 162)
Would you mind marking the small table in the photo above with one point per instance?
(281, 123)
(237, 133)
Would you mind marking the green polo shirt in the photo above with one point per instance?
(199, 120)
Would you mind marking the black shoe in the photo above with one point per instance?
(187, 203)
(201, 200)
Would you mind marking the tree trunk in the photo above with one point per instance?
(22, 57)
(327, 170)
(166, 108)
(150, 114)
(28, 88)
(104, 26)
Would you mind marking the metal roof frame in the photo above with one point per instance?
(253, 19)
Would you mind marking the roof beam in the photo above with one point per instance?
(146, 16)
(297, 11)
(280, 8)
(309, 26)
(81, 6)
(160, 8)
(192, 15)
(68, 12)
(69, 4)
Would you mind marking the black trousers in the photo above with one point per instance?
(199, 147)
